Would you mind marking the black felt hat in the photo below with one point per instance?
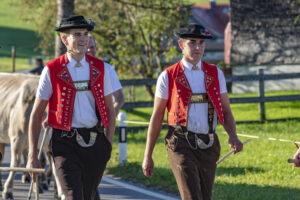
(193, 31)
(75, 22)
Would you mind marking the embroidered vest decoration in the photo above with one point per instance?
(61, 103)
(180, 93)
(212, 87)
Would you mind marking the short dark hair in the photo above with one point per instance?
(39, 60)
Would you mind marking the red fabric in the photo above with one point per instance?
(180, 93)
(61, 103)
(212, 87)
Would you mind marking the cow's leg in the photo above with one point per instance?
(49, 170)
(16, 151)
(25, 176)
(42, 177)
(2, 149)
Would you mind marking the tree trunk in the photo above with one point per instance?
(149, 90)
(65, 8)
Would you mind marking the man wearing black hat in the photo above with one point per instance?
(195, 95)
(76, 87)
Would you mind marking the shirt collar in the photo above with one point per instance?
(73, 62)
(189, 66)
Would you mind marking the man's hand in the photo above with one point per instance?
(148, 166)
(110, 139)
(33, 162)
(235, 144)
(297, 156)
(153, 133)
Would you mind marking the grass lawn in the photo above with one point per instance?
(15, 32)
(259, 172)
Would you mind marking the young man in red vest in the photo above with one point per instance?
(195, 95)
(76, 87)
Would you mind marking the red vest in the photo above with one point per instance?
(180, 93)
(61, 103)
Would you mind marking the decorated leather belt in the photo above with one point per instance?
(199, 98)
(199, 143)
(78, 131)
(81, 85)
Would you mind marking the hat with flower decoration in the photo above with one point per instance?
(193, 31)
(75, 22)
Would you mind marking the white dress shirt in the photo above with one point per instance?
(197, 115)
(84, 114)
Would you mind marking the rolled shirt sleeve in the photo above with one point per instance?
(44, 90)
(162, 86)
(114, 80)
(107, 82)
(222, 82)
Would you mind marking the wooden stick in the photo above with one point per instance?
(296, 144)
(296, 161)
(229, 153)
(39, 157)
(37, 192)
(21, 169)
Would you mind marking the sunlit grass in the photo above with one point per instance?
(260, 171)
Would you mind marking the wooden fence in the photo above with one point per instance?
(261, 99)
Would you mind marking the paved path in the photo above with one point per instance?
(110, 188)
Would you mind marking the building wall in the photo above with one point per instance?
(265, 32)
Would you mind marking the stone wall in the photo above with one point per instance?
(265, 32)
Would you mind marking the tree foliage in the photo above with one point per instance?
(136, 35)
(43, 14)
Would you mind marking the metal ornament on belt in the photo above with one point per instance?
(81, 142)
(199, 143)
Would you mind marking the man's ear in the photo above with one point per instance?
(63, 38)
(180, 43)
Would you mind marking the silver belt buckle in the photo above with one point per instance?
(81, 142)
(202, 145)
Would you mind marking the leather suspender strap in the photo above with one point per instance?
(98, 117)
(210, 116)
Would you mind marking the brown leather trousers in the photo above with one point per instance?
(194, 170)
